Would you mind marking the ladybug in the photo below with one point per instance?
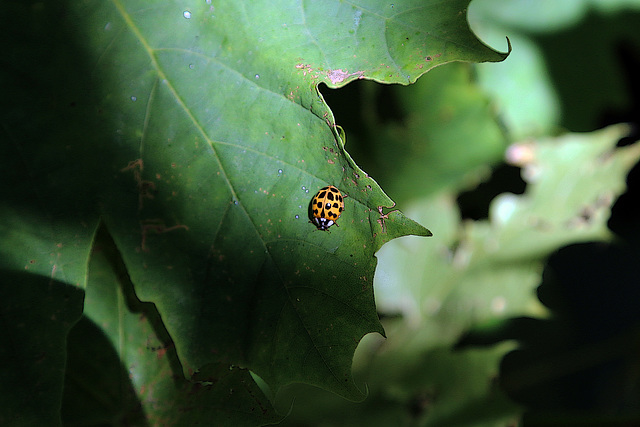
(326, 207)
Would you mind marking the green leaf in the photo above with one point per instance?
(121, 344)
(447, 137)
(253, 182)
(572, 182)
(486, 271)
(196, 131)
(476, 275)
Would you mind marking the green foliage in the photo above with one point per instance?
(481, 275)
(195, 134)
(474, 275)
(568, 64)
(156, 164)
(442, 113)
